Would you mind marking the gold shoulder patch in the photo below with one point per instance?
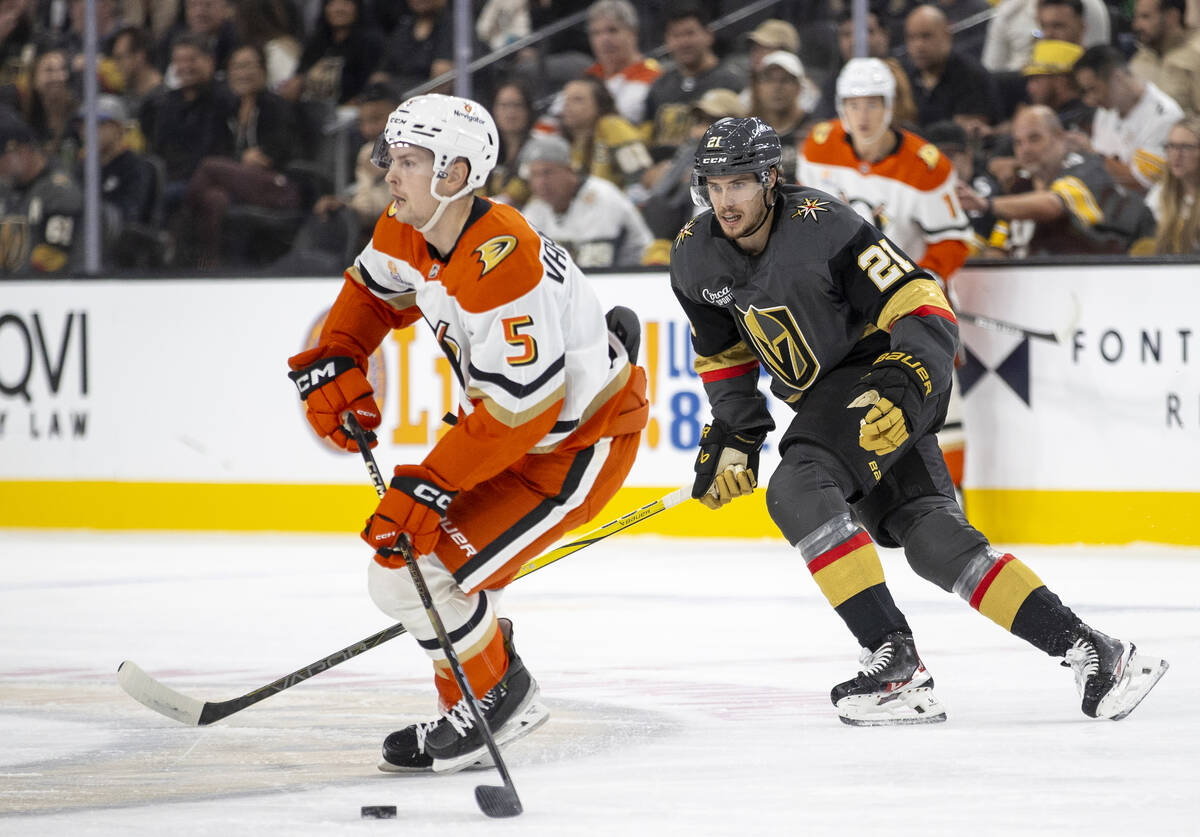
(929, 153)
(685, 232)
(495, 250)
(821, 131)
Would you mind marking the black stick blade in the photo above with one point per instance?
(498, 800)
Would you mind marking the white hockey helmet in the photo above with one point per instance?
(866, 77)
(449, 126)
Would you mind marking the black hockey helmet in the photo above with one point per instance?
(735, 145)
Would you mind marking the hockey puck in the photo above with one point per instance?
(379, 812)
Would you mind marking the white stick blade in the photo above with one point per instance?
(154, 695)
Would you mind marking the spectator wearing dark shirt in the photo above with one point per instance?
(1049, 81)
(947, 84)
(262, 142)
(421, 46)
(40, 211)
(697, 70)
(338, 56)
(126, 178)
(210, 22)
(190, 122)
(131, 50)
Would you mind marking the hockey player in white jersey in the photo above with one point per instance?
(551, 410)
(897, 181)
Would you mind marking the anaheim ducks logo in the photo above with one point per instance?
(781, 345)
(811, 208)
(685, 232)
(495, 250)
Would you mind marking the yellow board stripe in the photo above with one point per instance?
(1007, 592)
(1004, 515)
(1091, 517)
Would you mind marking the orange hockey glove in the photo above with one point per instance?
(330, 387)
(894, 390)
(413, 505)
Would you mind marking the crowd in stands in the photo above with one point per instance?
(235, 135)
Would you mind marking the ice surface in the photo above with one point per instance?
(688, 684)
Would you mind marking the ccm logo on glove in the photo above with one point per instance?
(413, 505)
(330, 387)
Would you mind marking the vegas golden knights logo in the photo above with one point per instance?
(781, 345)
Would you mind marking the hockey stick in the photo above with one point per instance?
(992, 324)
(494, 801)
(164, 700)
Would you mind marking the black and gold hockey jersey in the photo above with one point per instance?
(1100, 217)
(40, 225)
(826, 281)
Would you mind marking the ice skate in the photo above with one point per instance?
(404, 751)
(511, 709)
(892, 687)
(1112, 677)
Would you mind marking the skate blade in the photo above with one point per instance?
(913, 706)
(387, 767)
(1141, 675)
(520, 725)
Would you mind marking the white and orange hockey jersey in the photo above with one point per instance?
(525, 334)
(909, 195)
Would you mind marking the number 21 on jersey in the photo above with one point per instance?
(883, 264)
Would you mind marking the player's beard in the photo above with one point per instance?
(751, 219)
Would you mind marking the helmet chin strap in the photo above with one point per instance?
(443, 202)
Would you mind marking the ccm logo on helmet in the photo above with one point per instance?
(708, 160)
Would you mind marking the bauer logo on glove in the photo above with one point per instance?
(894, 392)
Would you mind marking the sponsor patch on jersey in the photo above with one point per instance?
(811, 208)
(495, 250)
(724, 296)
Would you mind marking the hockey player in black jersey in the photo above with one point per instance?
(860, 343)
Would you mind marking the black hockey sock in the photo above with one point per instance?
(871, 615)
(1045, 622)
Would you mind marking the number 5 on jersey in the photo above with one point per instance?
(525, 342)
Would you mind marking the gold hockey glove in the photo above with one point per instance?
(894, 391)
(726, 464)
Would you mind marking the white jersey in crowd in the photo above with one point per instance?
(1137, 139)
(601, 227)
(909, 195)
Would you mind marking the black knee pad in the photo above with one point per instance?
(804, 493)
(937, 539)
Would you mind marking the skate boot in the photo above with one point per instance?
(1112, 677)
(404, 751)
(511, 709)
(892, 687)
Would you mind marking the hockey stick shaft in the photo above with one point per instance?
(153, 694)
(506, 803)
(992, 324)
